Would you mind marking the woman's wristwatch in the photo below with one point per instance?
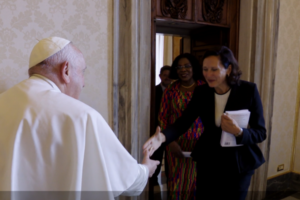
(240, 133)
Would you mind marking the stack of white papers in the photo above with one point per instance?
(186, 154)
(242, 118)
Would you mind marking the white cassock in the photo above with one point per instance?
(52, 142)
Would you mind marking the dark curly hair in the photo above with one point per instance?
(197, 68)
(227, 58)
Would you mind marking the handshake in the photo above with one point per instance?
(151, 145)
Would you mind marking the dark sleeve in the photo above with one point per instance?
(257, 131)
(158, 95)
(161, 98)
(158, 155)
(184, 122)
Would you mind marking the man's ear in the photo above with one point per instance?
(65, 71)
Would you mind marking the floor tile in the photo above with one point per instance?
(290, 198)
(297, 195)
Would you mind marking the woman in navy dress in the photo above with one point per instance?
(222, 172)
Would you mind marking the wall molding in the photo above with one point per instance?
(132, 75)
(277, 175)
(296, 121)
(176, 9)
(212, 10)
(259, 56)
(263, 68)
(281, 174)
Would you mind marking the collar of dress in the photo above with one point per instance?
(177, 84)
(53, 85)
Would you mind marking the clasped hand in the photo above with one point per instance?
(229, 125)
(154, 142)
(151, 164)
(151, 145)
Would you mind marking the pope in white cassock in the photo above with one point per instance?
(51, 141)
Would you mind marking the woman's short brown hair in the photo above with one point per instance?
(227, 58)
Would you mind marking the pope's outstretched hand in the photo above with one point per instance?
(151, 164)
(154, 141)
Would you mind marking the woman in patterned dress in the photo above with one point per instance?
(180, 170)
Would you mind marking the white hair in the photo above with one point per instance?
(68, 53)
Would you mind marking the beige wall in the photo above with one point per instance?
(285, 94)
(88, 23)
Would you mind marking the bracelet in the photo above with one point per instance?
(240, 133)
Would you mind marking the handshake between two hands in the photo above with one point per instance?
(151, 145)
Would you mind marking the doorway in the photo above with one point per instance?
(199, 25)
(168, 47)
(189, 26)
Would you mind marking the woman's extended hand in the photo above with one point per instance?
(154, 142)
(229, 125)
(175, 149)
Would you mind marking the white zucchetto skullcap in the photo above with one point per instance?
(46, 48)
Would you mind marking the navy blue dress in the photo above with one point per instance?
(223, 172)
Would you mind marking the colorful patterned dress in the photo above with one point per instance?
(181, 172)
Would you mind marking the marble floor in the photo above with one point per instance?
(160, 191)
(295, 196)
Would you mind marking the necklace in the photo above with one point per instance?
(187, 87)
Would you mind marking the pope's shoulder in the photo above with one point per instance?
(75, 106)
(40, 98)
(77, 110)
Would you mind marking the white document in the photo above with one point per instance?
(187, 154)
(242, 118)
